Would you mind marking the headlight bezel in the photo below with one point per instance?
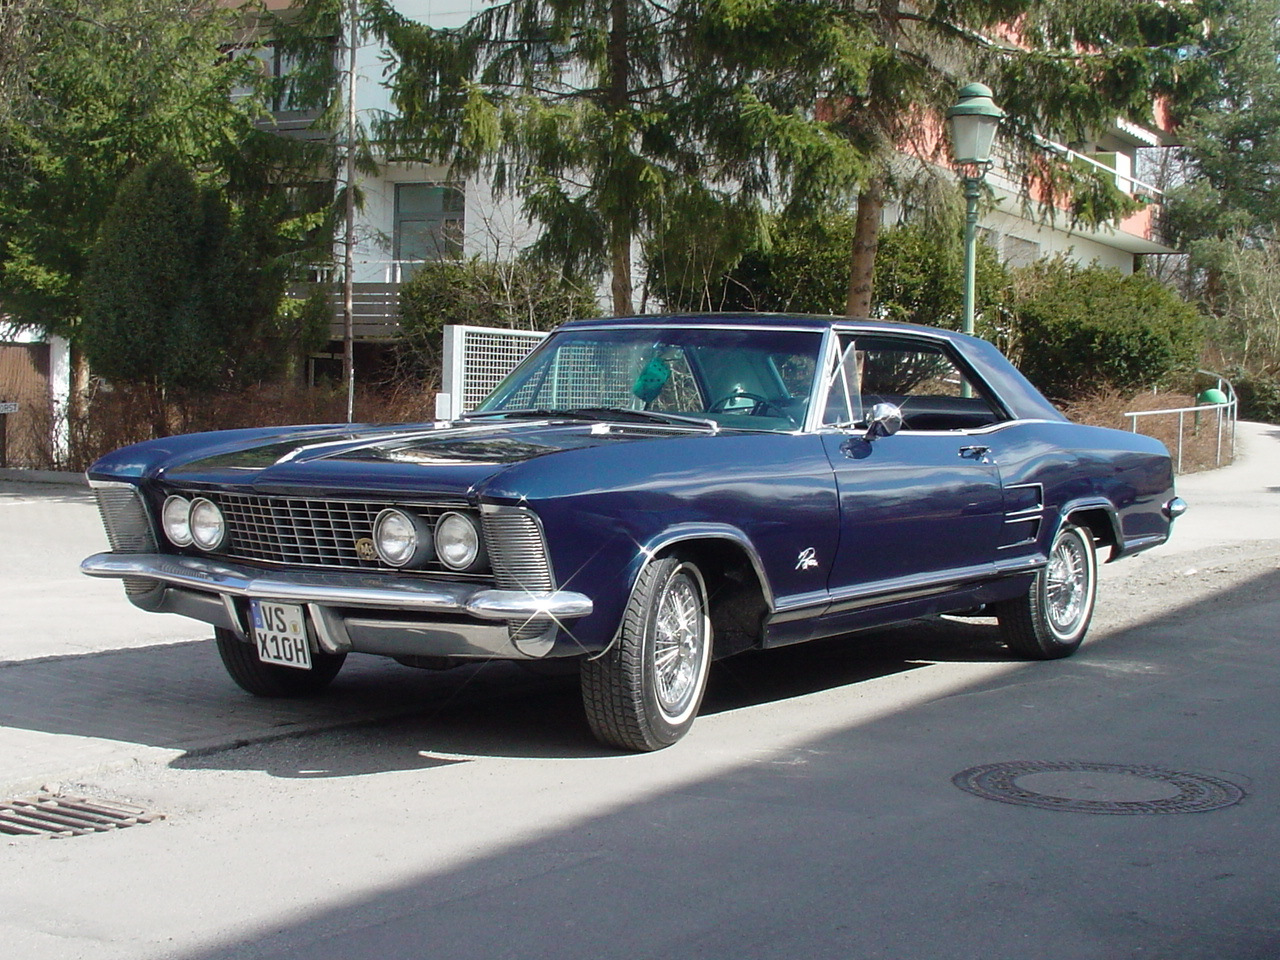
(423, 548)
(176, 529)
(475, 557)
(201, 504)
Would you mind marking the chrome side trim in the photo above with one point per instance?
(899, 588)
(341, 589)
(1138, 544)
(684, 532)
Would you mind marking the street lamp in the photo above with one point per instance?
(973, 120)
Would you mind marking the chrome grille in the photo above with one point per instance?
(301, 531)
(517, 551)
(124, 517)
(128, 530)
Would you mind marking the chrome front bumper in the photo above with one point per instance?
(428, 618)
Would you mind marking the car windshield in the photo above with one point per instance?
(736, 378)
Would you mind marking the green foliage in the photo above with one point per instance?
(803, 266)
(179, 292)
(518, 294)
(920, 279)
(601, 116)
(1084, 328)
(104, 87)
(1259, 395)
(1230, 125)
(604, 117)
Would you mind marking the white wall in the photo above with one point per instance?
(494, 226)
(1051, 241)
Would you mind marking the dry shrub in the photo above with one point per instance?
(1201, 449)
(121, 416)
(118, 417)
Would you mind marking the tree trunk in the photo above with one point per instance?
(862, 260)
(620, 257)
(619, 85)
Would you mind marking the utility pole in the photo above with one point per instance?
(348, 312)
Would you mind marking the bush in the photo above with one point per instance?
(1084, 329)
(182, 290)
(517, 294)
(803, 266)
(1259, 395)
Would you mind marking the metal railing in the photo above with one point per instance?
(1226, 415)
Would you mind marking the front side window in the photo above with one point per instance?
(752, 379)
(921, 379)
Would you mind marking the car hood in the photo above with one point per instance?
(452, 459)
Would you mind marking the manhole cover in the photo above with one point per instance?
(61, 816)
(1079, 787)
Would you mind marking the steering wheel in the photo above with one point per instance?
(759, 404)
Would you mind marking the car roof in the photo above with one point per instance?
(793, 321)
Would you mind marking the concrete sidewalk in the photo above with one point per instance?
(87, 680)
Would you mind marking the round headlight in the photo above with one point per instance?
(402, 539)
(459, 544)
(175, 517)
(206, 524)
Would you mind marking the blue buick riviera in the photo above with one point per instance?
(640, 496)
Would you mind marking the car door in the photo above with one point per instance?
(921, 510)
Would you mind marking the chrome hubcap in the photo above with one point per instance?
(679, 645)
(1067, 585)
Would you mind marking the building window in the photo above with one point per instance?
(429, 221)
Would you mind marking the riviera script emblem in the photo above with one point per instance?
(808, 559)
(365, 549)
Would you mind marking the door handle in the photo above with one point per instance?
(975, 452)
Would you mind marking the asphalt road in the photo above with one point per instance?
(810, 813)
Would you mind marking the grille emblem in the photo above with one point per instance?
(365, 549)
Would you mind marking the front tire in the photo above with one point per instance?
(1050, 621)
(267, 679)
(644, 692)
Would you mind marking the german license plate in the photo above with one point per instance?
(280, 633)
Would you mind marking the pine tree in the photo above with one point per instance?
(599, 114)
(603, 114)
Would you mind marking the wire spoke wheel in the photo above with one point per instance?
(1051, 619)
(679, 644)
(644, 693)
(1066, 585)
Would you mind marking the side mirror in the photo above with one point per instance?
(884, 420)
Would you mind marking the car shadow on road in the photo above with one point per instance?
(812, 849)
(177, 696)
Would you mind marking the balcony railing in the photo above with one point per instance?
(375, 306)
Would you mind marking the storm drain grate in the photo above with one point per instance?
(1079, 787)
(60, 816)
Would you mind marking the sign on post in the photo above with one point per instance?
(8, 408)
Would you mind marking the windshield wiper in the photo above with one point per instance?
(539, 413)
(657, 416)
(602, 414)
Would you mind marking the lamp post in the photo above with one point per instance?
(973, 120)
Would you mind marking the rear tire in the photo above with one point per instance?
(1050, 621)
(644, 693)
(267, 679)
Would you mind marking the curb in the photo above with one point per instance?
(44, 476)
